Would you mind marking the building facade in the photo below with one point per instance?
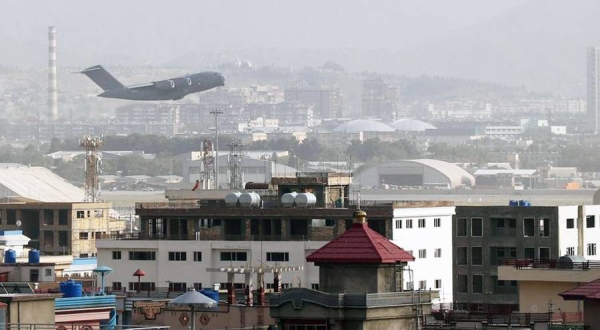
(593, 87)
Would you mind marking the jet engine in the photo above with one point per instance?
(165, 84)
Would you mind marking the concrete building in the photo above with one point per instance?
(426, 233)
(487, 236)
(326, 101)
(593, 87)
(380, 100)
(588, 294)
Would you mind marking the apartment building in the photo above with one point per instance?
(426, 233)
(487, 236)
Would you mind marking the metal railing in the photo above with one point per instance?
(351, 300)
(78, 326)
(548, 264)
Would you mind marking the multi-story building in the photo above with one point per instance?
(326, 101)
(148, 113)
(380, 100)
(593, 87)
(487, 236)
(60, 228)
(426, 233)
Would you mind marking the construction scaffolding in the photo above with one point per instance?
(208, 164)
(236, 153)
(92, 166)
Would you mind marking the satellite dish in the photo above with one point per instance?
(18, 223)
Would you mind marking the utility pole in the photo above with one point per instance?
(216, 112)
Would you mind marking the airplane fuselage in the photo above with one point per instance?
(170, 89)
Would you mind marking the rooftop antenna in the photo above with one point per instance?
(92, 166)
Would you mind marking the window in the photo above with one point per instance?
(142, 255)
(477, 283)
(116, 286)
(83, 235)
(461, 227)
(436, 222)
(528, 227)
(197, 286)
(476, 227)
(116, 255)
(329, 222)
(409, 286)
(463, 284)
(461, 253)
(177, 256)
(438, 284)
(476, 256)
(144, 286)
(197, 256)
(544, 227)
(408, 223)
(63, 217)
(529, 253)
(590, 221)
(421, 223)
(422, 285)
(398, 224)
(278, 256)
(437, 253)
(500, 222)
(80, 214)
(570, 223)
(48, 272)
(571, 251)
(34, 275)
(591, 249)
(177, 286)
(423, 253)
(314, 286)
(544, 253)
(234, 256)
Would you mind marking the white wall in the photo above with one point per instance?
(428, 238)
(162, 270)
(568, 237)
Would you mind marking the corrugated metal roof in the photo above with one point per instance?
(502, 171)
(360, 245)
(37, 183)
(589, 290)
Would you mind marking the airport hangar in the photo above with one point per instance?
(422, 173)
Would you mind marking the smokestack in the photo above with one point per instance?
(52, 94)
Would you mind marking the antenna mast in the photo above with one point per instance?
(92, 166)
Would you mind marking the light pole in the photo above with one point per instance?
(216, 112)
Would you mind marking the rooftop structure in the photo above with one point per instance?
(27, 183)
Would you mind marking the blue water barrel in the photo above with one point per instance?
(71, 288)
(10, 256)
(34, 256)
(513, 203)
(526, 203)
(212, 294)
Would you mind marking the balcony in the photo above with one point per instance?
(547, 270)
(352, 300)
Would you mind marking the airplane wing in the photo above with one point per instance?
(141, 86)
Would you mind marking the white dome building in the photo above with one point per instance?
(411, 125)
(363, 125)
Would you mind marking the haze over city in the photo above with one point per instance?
(538, 44)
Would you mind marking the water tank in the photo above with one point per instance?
(10, 256)
(513, 203)
(250, 199)
(232, 198)
(71, 288)
(524, 202)
(34, 256)
(287, 200)
(306, 200)
(212, 294)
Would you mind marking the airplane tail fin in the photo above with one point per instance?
(102, 78)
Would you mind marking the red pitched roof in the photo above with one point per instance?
(360, 245)
(589, 290)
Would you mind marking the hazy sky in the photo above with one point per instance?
(157, 31)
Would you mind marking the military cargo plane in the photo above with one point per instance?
(168, 89)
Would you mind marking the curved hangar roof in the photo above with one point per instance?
(363, 125)
(411, 125)
(416, 172)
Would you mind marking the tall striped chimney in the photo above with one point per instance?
(52, 94)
